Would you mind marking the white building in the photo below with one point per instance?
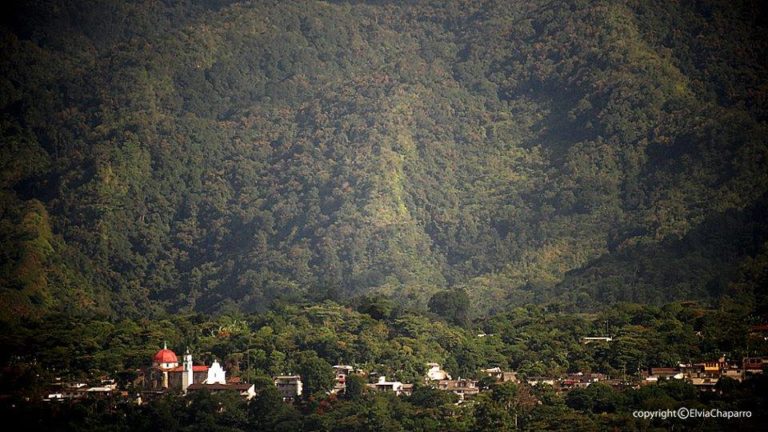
(436, 373)
(216, 374)
(289, 386)
(387, 386)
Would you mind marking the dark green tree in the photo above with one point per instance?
(453, 305)
(316, 374)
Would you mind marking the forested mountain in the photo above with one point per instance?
(206, 155)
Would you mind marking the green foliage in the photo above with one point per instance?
(354, 387)
(451, 305)
(316, 374)
(597, 398)
(214, 155)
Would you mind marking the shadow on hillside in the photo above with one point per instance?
(698, 266)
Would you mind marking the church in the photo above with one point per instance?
(166, 374)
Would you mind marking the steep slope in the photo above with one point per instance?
(219, 155)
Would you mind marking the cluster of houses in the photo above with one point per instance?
(167, 374)
(290, 386)
(706, 375)
(59, 390)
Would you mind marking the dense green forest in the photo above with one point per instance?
(213, 156)
(286, 185)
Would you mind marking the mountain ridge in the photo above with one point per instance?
(233, 153)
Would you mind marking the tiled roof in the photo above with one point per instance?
(195, 368)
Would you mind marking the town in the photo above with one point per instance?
(166, 375)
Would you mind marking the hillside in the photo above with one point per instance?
(218, 155)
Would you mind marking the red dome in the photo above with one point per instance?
(165, 356)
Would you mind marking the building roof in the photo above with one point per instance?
(195, 368)
(288, 377)
(664, 370)
(238, 387)
(165, 356)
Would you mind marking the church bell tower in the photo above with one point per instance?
(187, 377)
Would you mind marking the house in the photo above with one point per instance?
(289, 386)
(759, 330)
(664, 373)
(581, 380)
(343, 369)
(569, 384)
(54, 397)
(99, 392)
(733, 373)
(436, 373)
(342, 372)
(590, 339)
(500, 375)
(704, 384)
(655, 374)
(464, 388)
(387, 386)
(711, 369)
(532, 381)
(754, 365)
(704, 376)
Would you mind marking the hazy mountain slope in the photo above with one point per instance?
(219, 154)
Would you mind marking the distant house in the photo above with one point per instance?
(500, 375)
(343, 369)
(464, 388)
(54, 397)
(754, 365)
(704, 384)
(706, 375)
(733, 373)
(590, 339)
(342, 372)
(532, 381)
(711, 369)
(289, 386)
(664, 372)
(581, 380)
(759, 330)
(436, 373)
(570, 384)
(656, 374)
(387, 386)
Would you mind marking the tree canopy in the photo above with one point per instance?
(218, 155)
